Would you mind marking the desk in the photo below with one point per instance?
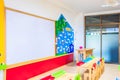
(86, 52)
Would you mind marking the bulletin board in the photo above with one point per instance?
(28, 37)
(64, 36)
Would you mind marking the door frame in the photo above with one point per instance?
(119, 45)
(101, 32)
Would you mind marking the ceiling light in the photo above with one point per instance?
(111, 3)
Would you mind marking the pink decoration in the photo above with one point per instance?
(81, 47)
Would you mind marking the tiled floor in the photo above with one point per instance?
(111, 72)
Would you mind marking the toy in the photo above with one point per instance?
(58, 73)
(77, 77)
(119, 70)
(119, 67)
(98, 63)
(80, 63)
(94, 66)
(87, 59)
(49, 77)
(81, 47)
(92, 57)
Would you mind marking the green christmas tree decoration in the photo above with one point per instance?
(63, 23)
(60, 25)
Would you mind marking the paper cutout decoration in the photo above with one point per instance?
(68, 29)
(64, 37)
(3, 66)
(60, 25)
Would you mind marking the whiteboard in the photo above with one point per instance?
(28, 37)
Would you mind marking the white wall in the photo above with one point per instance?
(49, 10)
(79, 32)
(28, 38)
(1, 75)
(52, 11)
(41, 7)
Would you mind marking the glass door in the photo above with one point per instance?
(110, 43)
(93, 39)
(102, 34)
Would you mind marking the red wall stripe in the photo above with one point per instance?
(30, 70)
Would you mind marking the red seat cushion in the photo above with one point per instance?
(48, 78)
(101, 60)
(80, 63)
(94, 66)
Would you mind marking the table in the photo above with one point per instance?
(86, 52)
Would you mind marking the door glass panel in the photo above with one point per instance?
(110, 18)
(93, 39)
(110, 44)
(93, 20)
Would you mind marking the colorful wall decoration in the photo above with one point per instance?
(64, 36)
(2, 33)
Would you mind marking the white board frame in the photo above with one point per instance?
(28, 48)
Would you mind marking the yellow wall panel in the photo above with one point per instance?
(2, 32)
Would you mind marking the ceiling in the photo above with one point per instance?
(85, 6)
